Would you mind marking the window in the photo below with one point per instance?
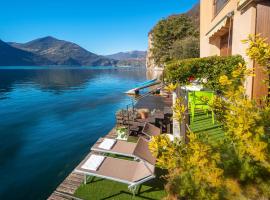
(218, 5)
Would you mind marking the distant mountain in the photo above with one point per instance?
(129, 55)
(10, 56)
(130, 58)
(61, 52)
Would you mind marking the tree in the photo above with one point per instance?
(185, 48)
(167, 35)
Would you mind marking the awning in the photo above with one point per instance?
(221, 27)
(243, 3)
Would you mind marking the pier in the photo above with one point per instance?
(142, 86)
(66, 190)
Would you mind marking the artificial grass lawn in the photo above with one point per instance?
(99, 189)
(202, 124)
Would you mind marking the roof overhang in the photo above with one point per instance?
(244, 3)
(221, 27)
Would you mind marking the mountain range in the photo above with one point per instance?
(52, 51)
(10, 56)
(130, 58)
(129, 55)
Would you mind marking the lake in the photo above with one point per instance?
(50, 117)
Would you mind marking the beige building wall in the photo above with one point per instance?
(244, 23)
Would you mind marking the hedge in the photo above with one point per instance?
(208, 68)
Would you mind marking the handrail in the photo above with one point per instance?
(131, 105)
(142, 96)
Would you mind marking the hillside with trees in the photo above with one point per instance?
(175, 37)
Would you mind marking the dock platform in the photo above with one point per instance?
(144, 85)
(66, 190)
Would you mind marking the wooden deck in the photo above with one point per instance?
(67, 188)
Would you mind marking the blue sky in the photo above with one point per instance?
(100, 26)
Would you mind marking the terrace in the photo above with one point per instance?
(244, 122)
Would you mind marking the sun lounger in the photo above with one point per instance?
(120, 147)
(124, 148)
(132, 173)
(151, 130)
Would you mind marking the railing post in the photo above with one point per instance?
(176, 126)
(128, 120)
(183, 128)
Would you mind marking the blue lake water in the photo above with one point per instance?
(50, 117)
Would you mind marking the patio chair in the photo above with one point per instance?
(132, 173)
(151, 130)
(195, 101)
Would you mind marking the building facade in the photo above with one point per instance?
(223, 26)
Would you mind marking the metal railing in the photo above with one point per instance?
(129, 111)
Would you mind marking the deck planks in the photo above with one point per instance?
(67, 188)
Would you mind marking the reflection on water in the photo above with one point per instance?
(49, 119)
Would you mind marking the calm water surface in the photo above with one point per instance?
(49, 119)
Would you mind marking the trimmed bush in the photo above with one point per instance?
(208, 69)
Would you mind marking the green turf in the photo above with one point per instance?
(133, 139)
(97, 189)
(203, 124)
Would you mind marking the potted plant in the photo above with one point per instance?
(121, 133)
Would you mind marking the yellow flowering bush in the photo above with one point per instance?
(165, 151)
(246, 126)
(237, 167)
(224, 80)
(171, 87)
(259, 50)
(179, 109)
(194, 168)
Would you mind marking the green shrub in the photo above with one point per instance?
(207, 70)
